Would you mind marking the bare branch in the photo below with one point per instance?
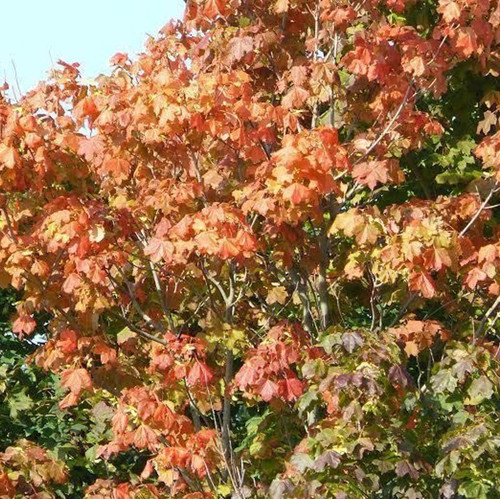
(494, 189)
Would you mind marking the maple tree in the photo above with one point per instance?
(266, 252)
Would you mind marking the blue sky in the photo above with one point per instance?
(34, 32)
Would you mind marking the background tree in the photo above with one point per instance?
(271, 245)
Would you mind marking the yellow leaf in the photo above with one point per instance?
(96, 234)
(277, 295)
(411, 348)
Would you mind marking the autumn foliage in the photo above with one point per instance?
(269, 245)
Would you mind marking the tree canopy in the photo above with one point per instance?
(260, 259)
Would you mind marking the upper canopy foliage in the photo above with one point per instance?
(270, 244)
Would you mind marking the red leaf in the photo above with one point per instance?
(119, 59)
(268, 390)
(120, 422)
(449, 10)
(246, 376)
(69, 401)
(293, 388)
(466, 42)
(200, 373)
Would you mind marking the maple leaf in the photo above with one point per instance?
(120, 422)
(208, 242)
(159, 249)
(118, 169)
(92, 148)
(297, 193)
(9, 157)
(71, 283)
(70, 400)
(292, 388)
(277, 294)
(239, 47)
(423, 282)
(412, 348)
(331, 459)
(213, 179)
(438, 258)
(295, 98)
(417, 66)
(119, 59)
(145, 438)
(24, 324)
(281, 6)
(246, 241)
(228, 249)
(406, 468)
(106, 353)
(449, 10)
(466, 42)
(246, 376)
(268, 390)
(371, 173)
(76, 380)
(199, 373)
(214, 8)
(351, 340)
(68, 341)
(488, 253)
(474, 277)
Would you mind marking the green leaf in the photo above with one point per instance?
(480, 389)
(19, 402)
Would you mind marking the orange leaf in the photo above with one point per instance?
(295, 98)
(200, 373)
(71, 283)
(118, 169)
(69, 401)
(9, 156)
(76, 380)
(474, 277)
(145, 438)
(228, 249)
(68, 341)
(423, 282)
(371, 173)
(24, 324)
(159, 249)
(120, 422)
(238, 47)
(297, 193)
(214, 8)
